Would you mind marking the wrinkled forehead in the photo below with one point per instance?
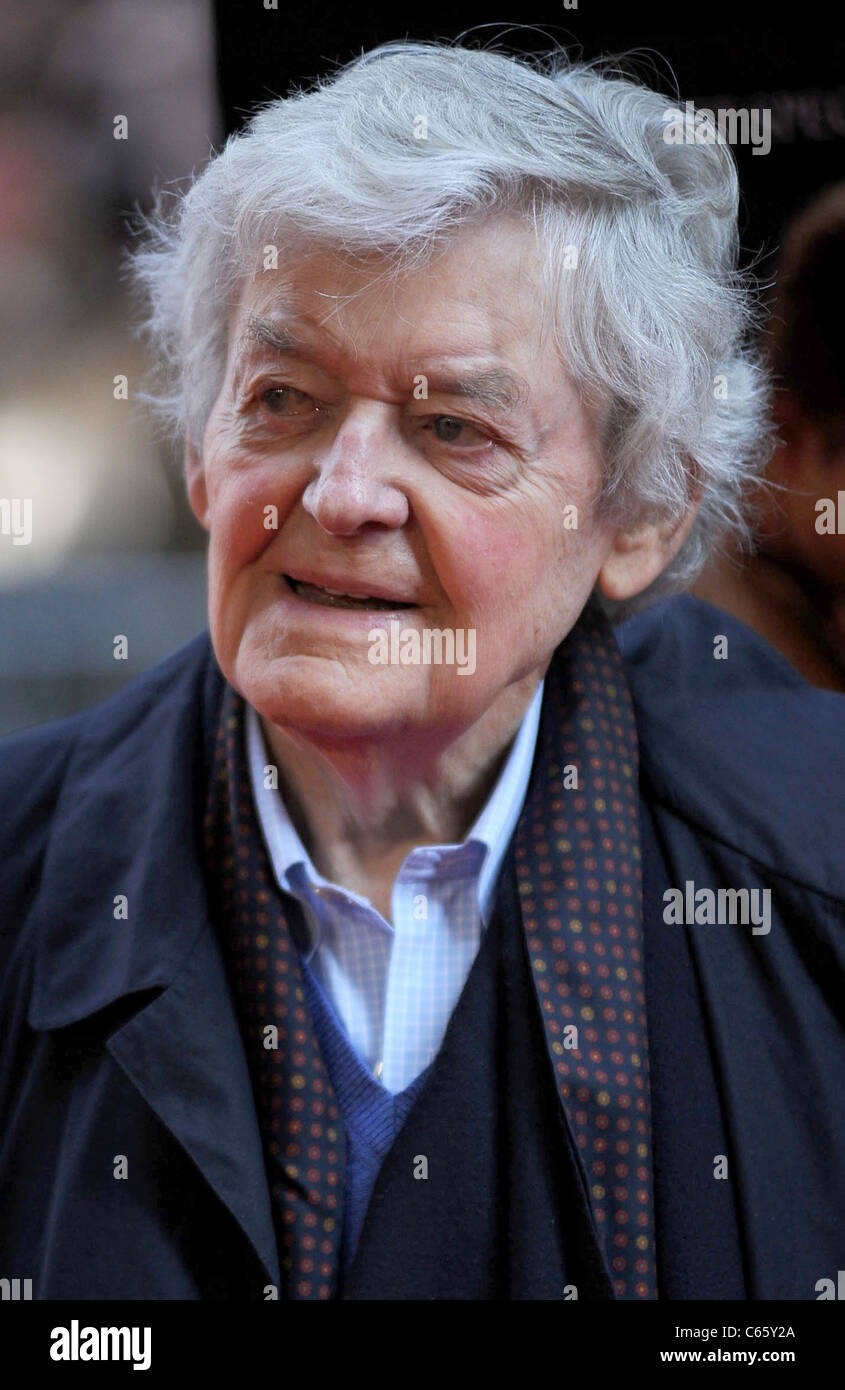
(481, 289)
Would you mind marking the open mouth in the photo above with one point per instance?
(332, 598)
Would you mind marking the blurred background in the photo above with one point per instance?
(114, 549)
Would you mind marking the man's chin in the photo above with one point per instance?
(324, 697)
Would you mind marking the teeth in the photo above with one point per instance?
(336, 598)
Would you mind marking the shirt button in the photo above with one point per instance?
(378, 1069)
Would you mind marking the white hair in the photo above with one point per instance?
(653, 324)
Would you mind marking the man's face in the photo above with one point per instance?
(420, 441)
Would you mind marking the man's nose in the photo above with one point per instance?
(355, 480)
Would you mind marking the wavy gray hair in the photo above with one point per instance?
(654, 325)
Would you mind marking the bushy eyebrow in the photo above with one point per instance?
(495, 388)
(265, 333)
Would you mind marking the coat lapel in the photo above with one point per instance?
(122, 912)
(184, 1054)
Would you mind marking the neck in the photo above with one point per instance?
(360, 807)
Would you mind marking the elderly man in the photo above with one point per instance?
(413, 936)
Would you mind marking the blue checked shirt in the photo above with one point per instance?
(394, 987)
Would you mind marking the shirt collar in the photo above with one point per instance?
(492, 828)
(497, 819)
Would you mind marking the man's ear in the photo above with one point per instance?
(638, 556)
(195, 482)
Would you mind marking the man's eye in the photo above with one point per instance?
(286, 400)
(448, 429)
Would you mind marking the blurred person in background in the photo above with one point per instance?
(792, 588)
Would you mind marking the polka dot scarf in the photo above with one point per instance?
(580, 887)
(297, 1111)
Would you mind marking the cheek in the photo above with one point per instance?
(246, 513)
(472, 557)
(499, 566)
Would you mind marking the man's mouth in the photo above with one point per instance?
(333, 598)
